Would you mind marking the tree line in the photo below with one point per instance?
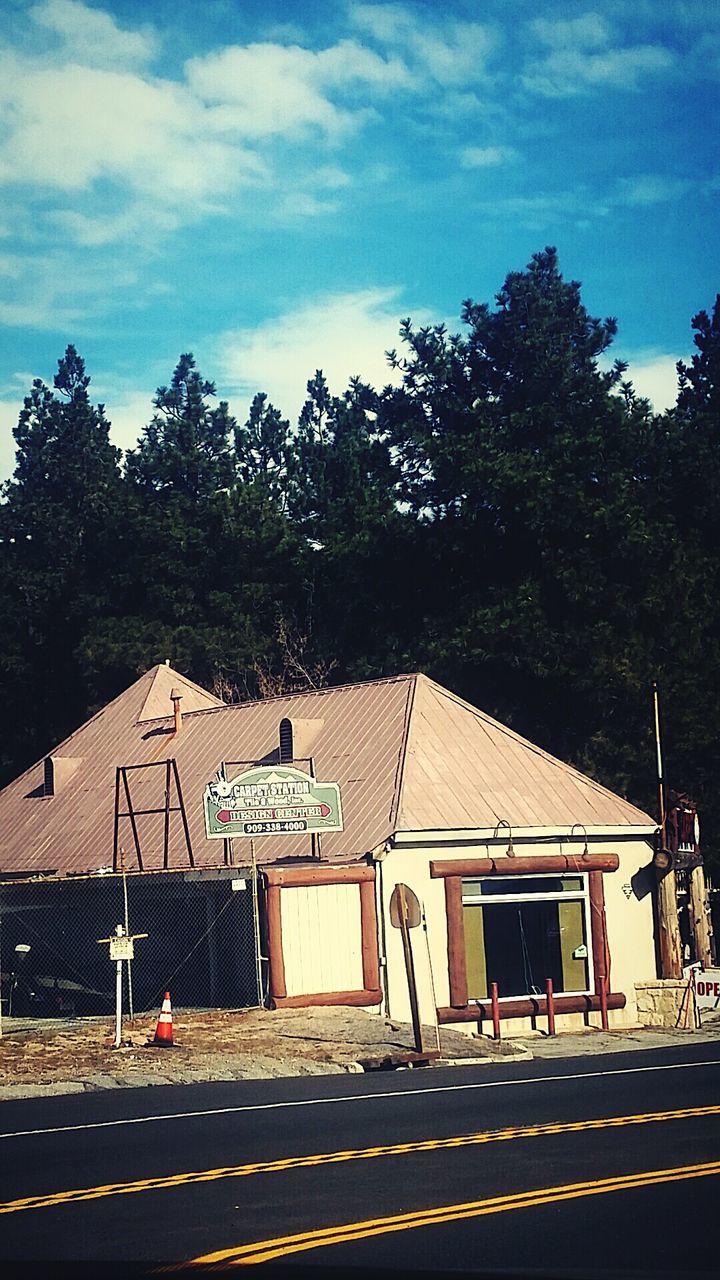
(509, 517)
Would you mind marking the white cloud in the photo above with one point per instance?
(85, 117)
(128, 412)
(271, 89)
(651, 188)
(136, 221)
(93, 35)
(265, 90)
(128, 156)
(654, 377)
(589, 31)
(584, 55)
(9, 411)
(343, 334)
(55, 290)
(486, 157)
(76, 125)
(447, 50)
(302, 204)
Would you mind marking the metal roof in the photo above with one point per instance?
(408, 755)
(465, 770)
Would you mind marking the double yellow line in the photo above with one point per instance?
(80, 1194)
(267, 1250)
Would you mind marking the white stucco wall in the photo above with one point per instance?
(629, 925)
(321, 938)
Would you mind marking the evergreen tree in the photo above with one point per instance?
(184, 450)
(58, 524)
(262, 449)
(687, 548)
(209, 557)
(342, 498)
(526, 467)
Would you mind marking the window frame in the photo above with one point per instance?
(497, 899)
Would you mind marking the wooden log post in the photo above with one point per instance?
(668, 926)
(699, 916)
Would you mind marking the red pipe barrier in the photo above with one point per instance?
(530, 1007)
(495, 1006)
(550, 1006)
(603, 1004)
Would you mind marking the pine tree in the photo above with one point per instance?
(184, 450)
(262, 449)
(525, 465)
(58, 524)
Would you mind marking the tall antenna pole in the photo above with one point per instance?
(658, 750)
(667, 914)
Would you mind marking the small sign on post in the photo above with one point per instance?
(405, 914)
(122, 949)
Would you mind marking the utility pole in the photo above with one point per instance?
(666, 889)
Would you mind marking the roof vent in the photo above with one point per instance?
(297, 739)
(287, 754)
(56, 771)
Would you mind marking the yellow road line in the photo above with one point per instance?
(338, 1157)
(267, 1250)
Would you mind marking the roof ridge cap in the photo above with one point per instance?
(284, 697)
(396, 804)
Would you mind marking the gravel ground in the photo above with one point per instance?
(56, 1056)
(75, 1056)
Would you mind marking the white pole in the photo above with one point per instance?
(118, 1004)
(118, 995)
(256, 924)
(127, 930)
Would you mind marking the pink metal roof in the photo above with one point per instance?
(359, 746)
(408, 755)
(465, 770)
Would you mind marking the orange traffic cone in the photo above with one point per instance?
(164, 1028)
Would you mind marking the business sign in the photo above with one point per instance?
(271, 800)
(707, 988)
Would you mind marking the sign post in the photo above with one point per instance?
(405, 915)
(122, 948)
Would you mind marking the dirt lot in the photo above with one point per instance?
(253, 1044)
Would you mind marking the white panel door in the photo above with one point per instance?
(321, 938)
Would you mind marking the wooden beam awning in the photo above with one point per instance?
(552, 863)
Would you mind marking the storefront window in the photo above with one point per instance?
(521, 931)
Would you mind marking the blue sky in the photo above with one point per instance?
(273, 184)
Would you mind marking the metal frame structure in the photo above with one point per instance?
(171, 772)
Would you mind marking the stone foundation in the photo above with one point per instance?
(659, 1003)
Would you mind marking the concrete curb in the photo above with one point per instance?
(103, 1083)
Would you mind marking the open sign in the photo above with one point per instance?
(707, 988)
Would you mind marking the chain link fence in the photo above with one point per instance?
(205, 943)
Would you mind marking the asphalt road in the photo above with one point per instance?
(580, 1166)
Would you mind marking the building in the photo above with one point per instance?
(526, 870)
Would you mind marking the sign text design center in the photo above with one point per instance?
(271, 800)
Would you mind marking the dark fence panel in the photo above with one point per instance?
(202, 943)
